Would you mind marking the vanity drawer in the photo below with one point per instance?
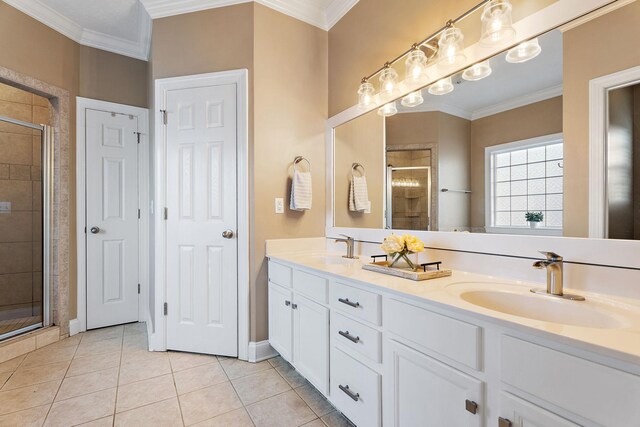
(315, 287)
(357, 337)
(280, 274)
(459, 341)
(356, 302)
(604, 395)
(361, 401)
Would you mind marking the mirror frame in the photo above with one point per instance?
(563, 14)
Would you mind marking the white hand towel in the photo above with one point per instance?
(301, 195)
(358, 194)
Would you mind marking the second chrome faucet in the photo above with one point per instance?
(350, 241)
(555, 270)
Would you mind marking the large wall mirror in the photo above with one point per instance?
(507, 145)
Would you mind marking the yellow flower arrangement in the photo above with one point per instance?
(400, 246)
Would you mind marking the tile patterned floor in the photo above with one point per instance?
(107, 377)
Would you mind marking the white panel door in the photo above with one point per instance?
(201, 201)
(112, 218)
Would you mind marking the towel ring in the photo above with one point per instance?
(299, 159)
(354, 168)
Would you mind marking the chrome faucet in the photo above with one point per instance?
(554, 265)
(350, 245)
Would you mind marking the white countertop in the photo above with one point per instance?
(622, 343)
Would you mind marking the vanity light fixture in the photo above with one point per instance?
(416, 64)
(497, 24)
(413, 99)
(389, 83)
(524, 52)
(366, 95)
(477, 71)
(450, 47)
(388, 110)
(441, 87)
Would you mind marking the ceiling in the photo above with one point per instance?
(509, 85)
(124, 26)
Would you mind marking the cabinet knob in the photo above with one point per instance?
(287, 303)
(471, 406)
(294, 306)
(503, 422)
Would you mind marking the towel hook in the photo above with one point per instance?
(354, 168)
(299, 159)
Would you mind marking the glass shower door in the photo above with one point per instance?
(23, 272)
(408, 204)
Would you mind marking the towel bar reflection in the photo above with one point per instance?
(299, 159)
(446, 190)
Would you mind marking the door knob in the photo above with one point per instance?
(95, 230)
(227, 234)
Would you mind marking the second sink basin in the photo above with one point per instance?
(518, 301)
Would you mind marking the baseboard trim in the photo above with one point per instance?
(74, 327)
(260, 350)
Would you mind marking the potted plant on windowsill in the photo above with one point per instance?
(534, 218)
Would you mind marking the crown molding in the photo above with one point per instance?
(595, 14)
(521, 101)
(336, 10)
(164, 8)
(437, 107)
(48, 17)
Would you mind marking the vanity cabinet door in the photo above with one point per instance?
(515, 412)
(280, 320)
(422, 391)
(311, 341)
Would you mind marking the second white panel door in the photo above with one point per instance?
(201, 138)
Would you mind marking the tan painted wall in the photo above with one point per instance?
(111, 77)
(615, 38)
(34, 49)
(541, 118)
(287, 67)
(360, 141)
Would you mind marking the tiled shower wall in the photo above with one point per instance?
(21, 221)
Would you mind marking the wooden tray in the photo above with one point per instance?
(406, 273)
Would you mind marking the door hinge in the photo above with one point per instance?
(138, 136)
(164, 116)
(166, 308)
(166, 214)
(138, 213)
(138, 287)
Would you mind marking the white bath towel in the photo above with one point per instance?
(301, 195)
(358, 194)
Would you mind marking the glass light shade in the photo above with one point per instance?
(388, 110)
(416, 64)
(497, 24)
(477, 71)
(389, 83)
(441, 87)
(450, 48)
(524, 52)
(413, 99)
(366, 95)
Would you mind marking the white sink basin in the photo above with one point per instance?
(333, 260)
(518, 301)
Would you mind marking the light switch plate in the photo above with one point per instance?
(5, 207)
(368, 208)
(279, 205)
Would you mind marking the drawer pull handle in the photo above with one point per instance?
(471, 406)
(348, 336)
(503, 422)
(294, 306)
(345, 389)
(349, 303)
(287, 303)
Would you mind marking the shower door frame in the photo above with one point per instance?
(389, 195)
(47, 137)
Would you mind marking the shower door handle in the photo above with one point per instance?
(95, 230)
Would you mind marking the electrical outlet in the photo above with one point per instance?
(368, 208)
(5, 207)
(279, 205)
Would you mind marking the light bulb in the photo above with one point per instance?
(416, 64)
(497, 24)
(477, 71)
(441, 87)
(413, 99)
(450, 48)
(388, 110)
(524, 52)
(366, 95)
(389, 83)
